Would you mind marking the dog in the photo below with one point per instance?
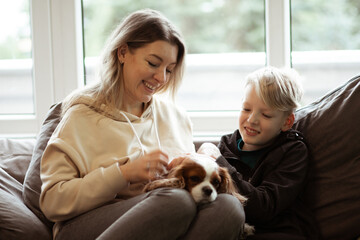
(203, 178)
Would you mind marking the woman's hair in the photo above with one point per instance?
(136, 30)
(278, 88)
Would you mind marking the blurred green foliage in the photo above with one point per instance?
(325, 25)
(15, 31)
(215, 26)
(207, 26)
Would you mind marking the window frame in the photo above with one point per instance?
(58, 64)
(277, 26)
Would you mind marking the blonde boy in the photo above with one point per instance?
(267, 159)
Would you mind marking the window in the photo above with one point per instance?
(16, 92)
(44, 75)
(226, 40)
(325, 43)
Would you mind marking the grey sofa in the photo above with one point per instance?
(331, 126)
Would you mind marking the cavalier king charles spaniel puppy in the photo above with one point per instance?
(203, 178)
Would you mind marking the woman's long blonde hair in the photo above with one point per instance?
(136, 30)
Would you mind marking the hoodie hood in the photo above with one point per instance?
(115, 114)
(123, 116)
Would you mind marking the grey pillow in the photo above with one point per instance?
(16, 220)
(32, 182)
(331, 127)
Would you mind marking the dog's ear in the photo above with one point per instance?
(166, 182)
(174, 179)
(177, 173)
(227, 185)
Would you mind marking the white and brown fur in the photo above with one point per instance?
(203, 178)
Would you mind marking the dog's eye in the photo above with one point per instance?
(215, 182)
(195, 179)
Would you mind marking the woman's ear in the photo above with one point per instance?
(121, 52)
(289, 121)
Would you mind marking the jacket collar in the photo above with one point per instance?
(228, 143)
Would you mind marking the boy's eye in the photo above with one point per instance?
(246, 110)
(168, 71)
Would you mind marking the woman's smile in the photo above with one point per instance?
(151, 88)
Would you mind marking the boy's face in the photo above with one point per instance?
(258, 123)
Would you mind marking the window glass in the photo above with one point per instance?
(225, 41)
(325, 43)
(16, 85)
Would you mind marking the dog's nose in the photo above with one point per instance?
(207, 190)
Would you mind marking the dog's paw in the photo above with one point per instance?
(167, 182)
(148, 187)
(247, 231)
(176, 183)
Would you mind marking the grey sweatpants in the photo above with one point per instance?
(165, 213)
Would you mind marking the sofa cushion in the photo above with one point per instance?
(32, 182)
(16, 220)
(331, 127)
(19, 222)
(15, 156)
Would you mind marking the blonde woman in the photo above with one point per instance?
(117, 135)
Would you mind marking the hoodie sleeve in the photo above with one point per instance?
(72, 182)
(65, 193)
(277, 185)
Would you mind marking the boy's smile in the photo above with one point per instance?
(250, 131)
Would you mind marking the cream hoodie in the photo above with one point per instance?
(80, 165)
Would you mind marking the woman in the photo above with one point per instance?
(116, 135)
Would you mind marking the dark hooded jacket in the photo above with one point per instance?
(274, 186)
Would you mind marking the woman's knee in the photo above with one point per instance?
(231, 208)
(176, 201)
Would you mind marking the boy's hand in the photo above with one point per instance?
(209, 149)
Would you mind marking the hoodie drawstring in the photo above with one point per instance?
(136, 135)
(156, 130)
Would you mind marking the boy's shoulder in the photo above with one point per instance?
(293, 134)
(289, 139)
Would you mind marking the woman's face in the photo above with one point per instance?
(146, 70)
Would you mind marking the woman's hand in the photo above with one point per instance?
(209, 149)
(148, 167)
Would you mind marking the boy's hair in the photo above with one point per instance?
(278, 88)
